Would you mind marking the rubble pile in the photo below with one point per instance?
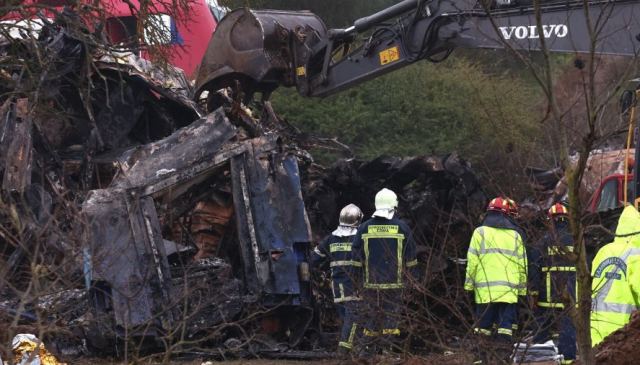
(131, 214)
(437, 195)
(621, 346)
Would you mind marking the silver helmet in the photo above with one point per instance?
(350, 216)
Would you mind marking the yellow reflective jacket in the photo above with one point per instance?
(616, 278)
(496, 265)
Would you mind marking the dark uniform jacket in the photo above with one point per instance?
(387, 249)
(551, 273)
(345, 270)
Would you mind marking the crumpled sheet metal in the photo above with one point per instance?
(146, 164)
(25, 344)
(169, 81)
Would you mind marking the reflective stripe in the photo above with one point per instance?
(548, 285)
(352, 333)
(482, 331)
(346, 263)
(505, 331)
(500, 283)
(412, 263)
(383, 229)
(614, 307)
(346, 299)
(385, 331)
(370, 333)
(383, 286)
(550, 305)
(632, 252)
(317, 252)
(559, 250)
(340, 247)
(482, 244)
(558, 268)
(399, 253)
(503, 251)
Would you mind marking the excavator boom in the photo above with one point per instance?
(265, 49)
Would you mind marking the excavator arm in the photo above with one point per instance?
(262, 50)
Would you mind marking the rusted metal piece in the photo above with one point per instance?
(209, 221)
(253, 47)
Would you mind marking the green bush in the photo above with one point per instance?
(425, 109)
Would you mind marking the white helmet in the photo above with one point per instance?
(350, 216)
(386, 203)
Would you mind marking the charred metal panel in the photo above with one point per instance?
(278, 217)
(116, 258)
(155, 161)
(147, 236)
(16, 147)
(126, 245)
(247, 240)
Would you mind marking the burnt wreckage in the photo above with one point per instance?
(107, 167)
(157, 185)
(139, 216)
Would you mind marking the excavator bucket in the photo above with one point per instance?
(256, 49)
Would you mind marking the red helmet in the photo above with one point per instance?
(557, 210)
(503, 205)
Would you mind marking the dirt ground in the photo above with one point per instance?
(428, 360)
(623, 346)
(208, 362)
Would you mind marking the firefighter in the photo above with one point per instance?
(386, 247)
(552, 279)
(497, 270)
(616, 278)
(345, 271)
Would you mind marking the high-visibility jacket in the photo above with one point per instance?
(552, 274)
(616, 278)
(387, 249)
(345, 270)
(496, 265)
